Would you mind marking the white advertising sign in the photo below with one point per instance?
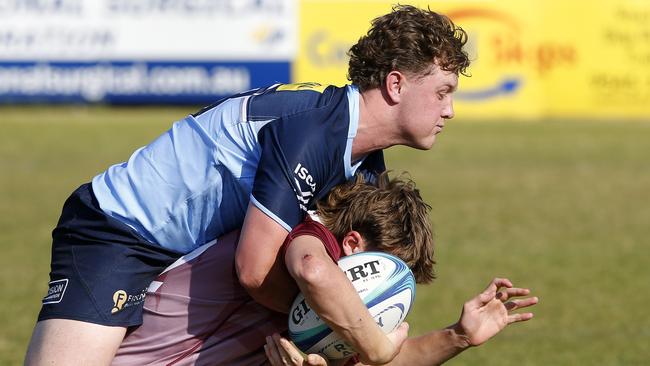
(148, 29)
(143, 51)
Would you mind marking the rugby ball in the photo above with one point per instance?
(385, 284)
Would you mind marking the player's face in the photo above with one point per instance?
(426, 104)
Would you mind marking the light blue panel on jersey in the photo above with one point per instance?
(129, 82)
(189, 185)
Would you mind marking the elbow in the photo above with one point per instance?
(248, 278)
(312, 272)
(250, 283)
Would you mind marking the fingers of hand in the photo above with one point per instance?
(513, 318)
(404, 327)
(289, 353)
(484, 298)
(316, 360)
(522, 303)
(491, 290)
(507, 293)
(268, 354)
(290, 350)
(272, 352)
(500, 282)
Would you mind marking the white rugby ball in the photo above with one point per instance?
(385, 284)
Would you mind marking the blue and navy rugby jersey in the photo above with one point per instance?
(281, 148)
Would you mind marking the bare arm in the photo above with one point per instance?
(329, 292)
(260, 270)
(433, 348)
(482, 317)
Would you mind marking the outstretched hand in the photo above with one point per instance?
(489, 312)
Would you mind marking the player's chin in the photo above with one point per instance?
(428, 142)
(422, 143)
(427, 146)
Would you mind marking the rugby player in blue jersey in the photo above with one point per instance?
(257, 160)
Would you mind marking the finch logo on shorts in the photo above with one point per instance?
(119, 298)
(55, 291)
(122, 300)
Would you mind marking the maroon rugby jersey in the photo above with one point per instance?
(196, 312)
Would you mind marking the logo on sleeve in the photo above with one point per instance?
(55, 291)
(303, 86)
(303, 178)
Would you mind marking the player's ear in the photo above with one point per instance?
(353, 243)
(394, 84)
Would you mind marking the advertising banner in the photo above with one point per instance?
(531, 59)
(143, 51)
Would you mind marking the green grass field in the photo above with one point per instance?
(560, 207)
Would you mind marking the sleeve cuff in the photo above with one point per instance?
(270, 214)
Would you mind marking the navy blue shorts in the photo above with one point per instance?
(101, 268)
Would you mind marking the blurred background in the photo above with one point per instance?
(542, 177)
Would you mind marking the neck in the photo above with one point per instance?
(377, 127)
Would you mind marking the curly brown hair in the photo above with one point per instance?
(410, 40)
(391, 217)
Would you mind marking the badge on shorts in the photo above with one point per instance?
(122, 300)
(56, 291)
(119, 298)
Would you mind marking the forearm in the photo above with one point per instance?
(259, 269)
(276, 291)
(433, 348)
(331, 295)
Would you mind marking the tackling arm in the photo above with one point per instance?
(482, 317)
(329, 292)
(260, 269)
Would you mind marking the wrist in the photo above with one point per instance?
(458, 336)
(379, 352)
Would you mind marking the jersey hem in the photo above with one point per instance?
(270, 214)
(88, 320)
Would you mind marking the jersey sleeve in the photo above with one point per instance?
(316, 229)
(273, 188)
(297, 162)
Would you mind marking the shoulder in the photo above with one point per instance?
(281, 100)
(315, 229)
(308, 227)
(284, 100)
(304, 114)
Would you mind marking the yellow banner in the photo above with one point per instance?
(531, 59)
